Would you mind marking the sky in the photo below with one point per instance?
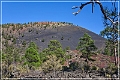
(23, 12)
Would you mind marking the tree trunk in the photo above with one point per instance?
(115, 56)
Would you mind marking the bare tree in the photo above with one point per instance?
(101, 8)
(106, 17)
(111, 33)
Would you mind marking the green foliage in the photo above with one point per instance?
(94, 68)
(10, 55)
(24, 43)
(73, 66)
(32, 57)
(54, 47)
(67, 48)
(32, 44)
(68, 57)
(14, 40)
(111, 69)
(16, 55)
(54, 44)
(109, 50)
(3, 57)
(86, 46)
(110, 32)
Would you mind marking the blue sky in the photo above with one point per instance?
(23, 12)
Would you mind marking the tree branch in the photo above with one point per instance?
(101, 7)
(81, 7)
(103, 12)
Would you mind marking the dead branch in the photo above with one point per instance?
(114, 23)
(101, 8)
(81, 7)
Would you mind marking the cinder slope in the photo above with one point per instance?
(66, 35)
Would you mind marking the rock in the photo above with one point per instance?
(114, 76)
(87, 76)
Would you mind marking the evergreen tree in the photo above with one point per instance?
(54, 47)
(86, 46)
(32, 44)
(32, 56)
(10, 56)
(111, 24)
(9, 52)
(111, 33)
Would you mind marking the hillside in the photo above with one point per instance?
(26, 53)
(42, 32)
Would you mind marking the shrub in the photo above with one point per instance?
(51, 64)
(42, 40)
(86, 67)
(111, 69)
(10, 31)
(74, 66)
(24, 43)
(36, 32)
(94, 68)
(8, 37)
(13, 28)
(65, 68)
(22, 35)
(67, 48)
(14, 40)
(62, 38)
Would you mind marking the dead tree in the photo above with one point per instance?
(114, 23)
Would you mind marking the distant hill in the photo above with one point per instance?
(42, 32)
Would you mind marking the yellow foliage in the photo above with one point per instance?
(51, 64)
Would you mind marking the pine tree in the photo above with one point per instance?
(32, 56)
(10, 57)
(32, 44)
(111, 24)
(111, 33)
(54, 47)
(86, 46)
